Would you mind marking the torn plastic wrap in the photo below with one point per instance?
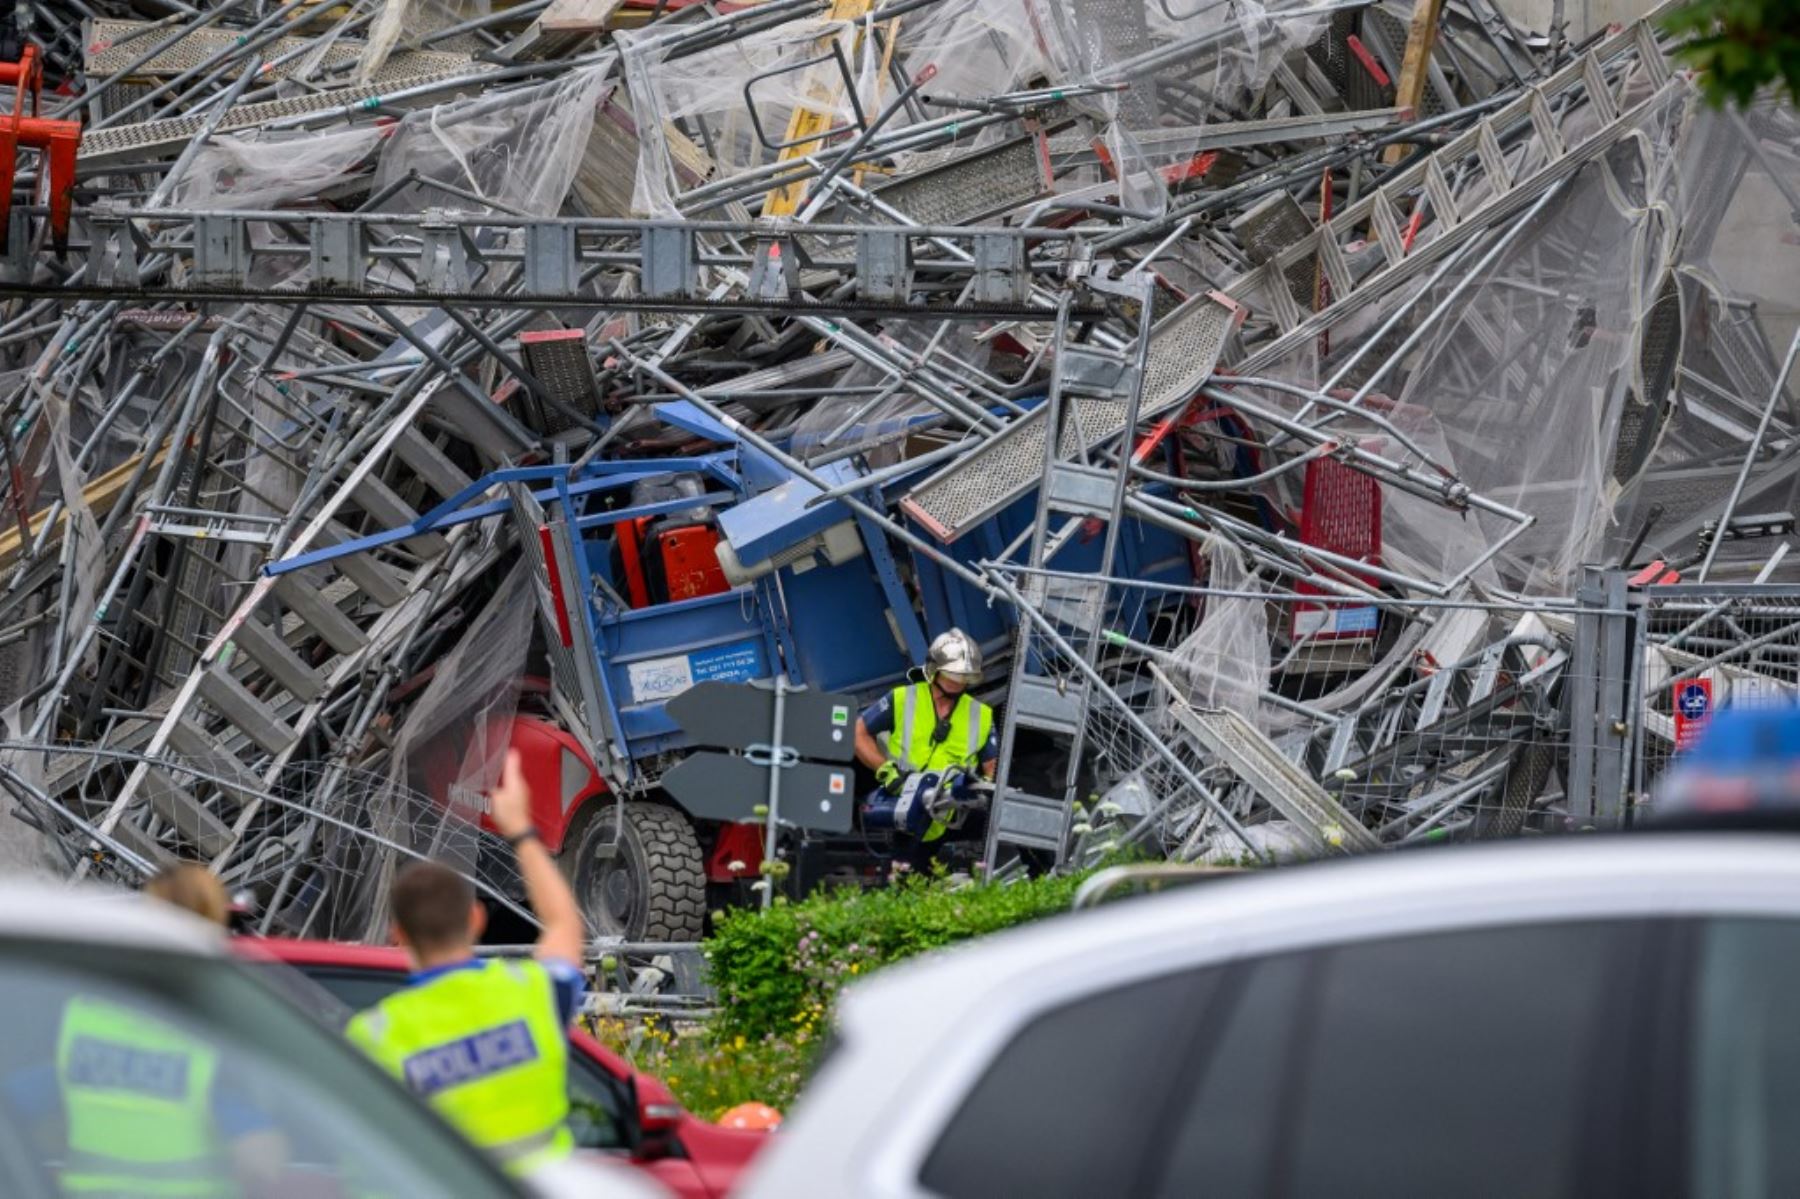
(260, 170)
(723, 111)
(449, 751)
(510, 152)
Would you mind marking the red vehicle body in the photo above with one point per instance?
(614, 1109)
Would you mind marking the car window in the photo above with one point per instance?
(1064, 1109)
(596, 1106)
(139, 1072)
(1744, 1061)
(597, 1103)
(356, 989)
(1466, 1063)
(1223, 1127)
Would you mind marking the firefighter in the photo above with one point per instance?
(931, 727)
(486, 1042)
(151, 1109)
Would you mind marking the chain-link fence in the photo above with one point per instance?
(1238, 720)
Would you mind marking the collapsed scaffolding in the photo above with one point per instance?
(1257, 383)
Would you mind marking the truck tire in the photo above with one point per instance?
(653, 887)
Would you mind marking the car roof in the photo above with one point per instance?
(300, 952)
(1296, 907)
(41, 909)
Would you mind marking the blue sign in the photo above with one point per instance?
(727, 663)
(1694, 700)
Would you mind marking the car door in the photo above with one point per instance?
(1497, 1061)
(1491, 1061)
(1729, 1063)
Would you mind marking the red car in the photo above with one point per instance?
(613, 1109)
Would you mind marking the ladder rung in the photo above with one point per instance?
(385, 505)
(430, 463)
(1041, 704)
(320, 615)
(266, 648)
(373, 578)
(197, 824)
(128, 834)
(1030, 820)
(244, 712)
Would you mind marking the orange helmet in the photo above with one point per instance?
(752, 1117)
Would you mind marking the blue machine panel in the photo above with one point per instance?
(839, 619)
(651, 655)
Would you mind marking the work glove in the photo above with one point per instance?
(889, 776)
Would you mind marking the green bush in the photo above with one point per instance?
(1740, 46)
(778, 972)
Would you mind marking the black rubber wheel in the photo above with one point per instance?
(653, 886)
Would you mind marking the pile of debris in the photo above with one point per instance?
(394, 380)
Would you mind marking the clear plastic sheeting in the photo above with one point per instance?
(412, 18)
(1178, 65)
(511, 152)
(873, 405)
(731, 108)
(449, 750)
(263, 170)
(1224, 662)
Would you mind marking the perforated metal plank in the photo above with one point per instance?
(1237, 744)
(146, 140)
(1184, 348)
(116, 45)
(975, 186)
(559, 359)
(1270, 227)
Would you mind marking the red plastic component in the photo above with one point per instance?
(631, 555)
(1657, 574)
(736, 843)
(690, 562)
(57, 140)
(1340, 511)
(1369, 61)
(557, 598)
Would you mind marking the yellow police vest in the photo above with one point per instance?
(917, 743)
(138, 1097)
(486, 1048)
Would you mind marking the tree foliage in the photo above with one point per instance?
(1740, 46)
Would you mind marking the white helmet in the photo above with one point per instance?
(956, 656)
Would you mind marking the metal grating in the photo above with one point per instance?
(1271, 227)
(127, 143)
(116, 46)
(1184, 347)
(559, 359)
(972, 188)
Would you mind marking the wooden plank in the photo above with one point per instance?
(1415, 65)
(101, 495)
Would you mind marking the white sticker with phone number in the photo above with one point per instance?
(660, 679)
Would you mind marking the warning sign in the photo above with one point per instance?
(1693, 708)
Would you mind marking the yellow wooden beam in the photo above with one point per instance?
(101, 495)
(1415, 66)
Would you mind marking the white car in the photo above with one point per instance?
(298, 1111)
(1593, 1017)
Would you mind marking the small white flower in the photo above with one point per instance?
(736, 866)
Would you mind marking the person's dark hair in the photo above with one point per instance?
(431, 905)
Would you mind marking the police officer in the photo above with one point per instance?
(485, 1042)
(932, 726)
(151, 1110)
